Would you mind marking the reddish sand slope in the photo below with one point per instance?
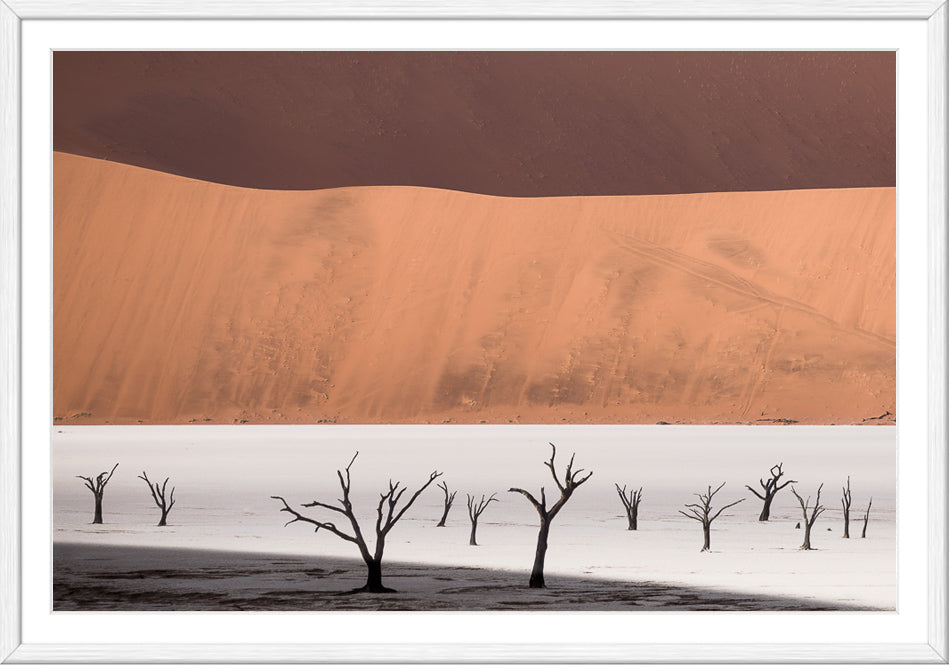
(178, 300)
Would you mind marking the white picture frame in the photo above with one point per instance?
(15, 13)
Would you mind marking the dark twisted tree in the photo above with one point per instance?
(158, 495)
(97, 487)
(631, 504)
(572, 481)
(846, 507)
(386, 517)
(475, 511)
(770, 488)
(446, 502)
(816, 510)
(867, 513)
(702, 512)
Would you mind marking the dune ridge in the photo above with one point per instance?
(178, 300)
(511, 123)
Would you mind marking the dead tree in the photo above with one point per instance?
(386, 518)
(475, 511)
(867, 513)
(816, 510)
(631, 505)
(770, 488)
(572, 481)
(449, 498)
(158, 495)
(846, 507)
(702, 512)
(97, 487)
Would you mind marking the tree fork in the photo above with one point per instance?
(475, 511)
(770, 488)
(387, 515)
(631, 504)
(98, 487)
(447, 502)
(809, 520)
(158, 496)
(702, 512)
(572, 480)
(846, 507)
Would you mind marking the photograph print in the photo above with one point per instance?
(474, 330)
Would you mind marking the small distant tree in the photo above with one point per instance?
(702, 512)
(97, 487)
(867, 513)
(572, 480)
(846, 507)
(158, 495)
(386, 517)
(809, 520)
(475, 511)
(631, 504)
(447, 502)
(770, 488)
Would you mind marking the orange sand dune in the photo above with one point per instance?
(178, 300)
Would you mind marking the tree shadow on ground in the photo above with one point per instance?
(107, 577)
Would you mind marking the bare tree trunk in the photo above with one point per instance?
(770, 488)
(537, 571)
(447, 502)
(572, 480)
(475, 509)
(631, 504)
(98, 488)
(809, 520)
(867, 513)
(374, 578)
(445, 514)
(163, 500)
(703, 513)
(846, 507)
(386, 517)
(806, 545)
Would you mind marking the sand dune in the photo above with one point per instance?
(178, 300)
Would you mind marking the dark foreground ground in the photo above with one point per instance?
(105, 577)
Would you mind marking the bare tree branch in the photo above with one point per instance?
(329, 526)
(770, 488)
(816, 511)
(534, 502)
(572, 480)
(702, 511)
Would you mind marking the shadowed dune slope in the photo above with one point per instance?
(504, 123)
(178, 300)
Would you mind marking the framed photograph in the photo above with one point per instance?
(486, 332)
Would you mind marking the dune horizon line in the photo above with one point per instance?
(468, 191)
(463, 191)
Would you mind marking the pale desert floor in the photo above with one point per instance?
(226, 548)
